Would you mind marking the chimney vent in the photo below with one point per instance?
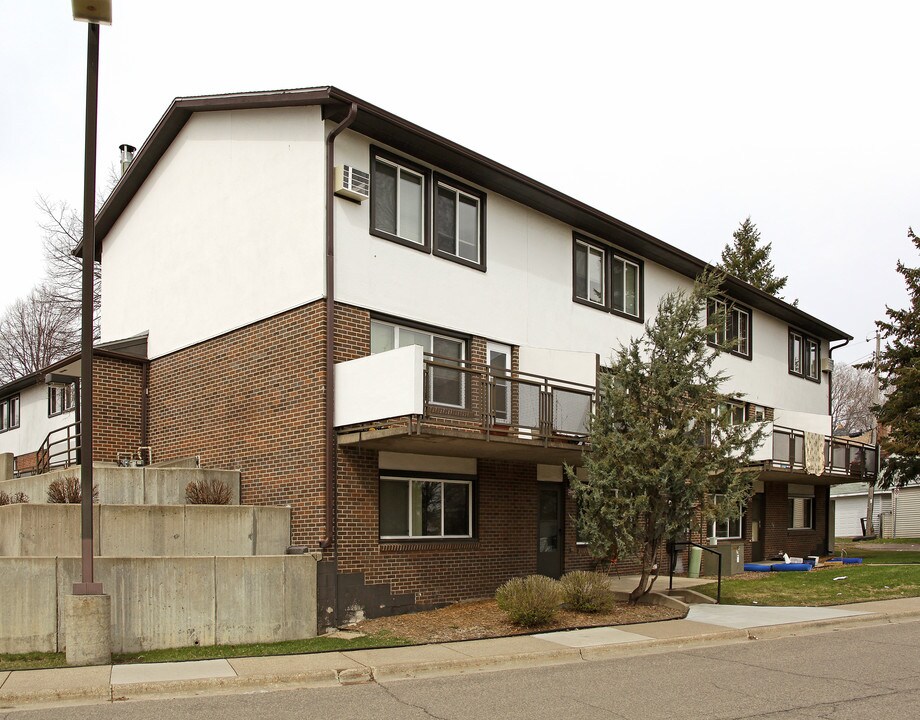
(127, 156)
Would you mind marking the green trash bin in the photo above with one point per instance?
(696, 555)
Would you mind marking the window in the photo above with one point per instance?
(734, 328)
(804, 356)
(60, 399)
(625, 290)
(459, 222)
(9, 413)
(735, 412)
(399, 200)
(759, 413)
(445, 386)
(589, 274)
(606, 279)
(729, 528)
(801, 513)
(412, 508)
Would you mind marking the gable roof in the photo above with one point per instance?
(418, 142)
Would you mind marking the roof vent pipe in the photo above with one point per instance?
(127, 156)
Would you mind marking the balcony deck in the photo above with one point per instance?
(458, 408)
(845, 460)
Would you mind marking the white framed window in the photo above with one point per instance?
(735, 326)
(446, 387)
(804, 356)
(625, 286)
(61, 399)
(9, 413)
(414, 508)
(589, 281)
(399, 200)
(730, 528)
(459, 226)
(735, 411)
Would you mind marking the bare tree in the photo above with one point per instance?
(62, 230)
(35, 332)
(852, 398)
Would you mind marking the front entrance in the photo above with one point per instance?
(549, 530)
(757, 515)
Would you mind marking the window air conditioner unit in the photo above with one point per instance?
(827, 365)
(352, 183)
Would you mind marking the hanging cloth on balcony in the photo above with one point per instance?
(814, 453)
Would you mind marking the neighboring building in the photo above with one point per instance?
(896, 511)
(472, 308)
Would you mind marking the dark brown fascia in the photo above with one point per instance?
(38, 377)
(417, 142)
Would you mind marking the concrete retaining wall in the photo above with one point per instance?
(50, 530)
(163, 602)
(129, 486)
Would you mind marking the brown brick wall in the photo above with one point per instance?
(252, 400)
(118, 396)
(798, 543)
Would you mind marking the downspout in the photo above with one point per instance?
(329, 540)
(828, 540)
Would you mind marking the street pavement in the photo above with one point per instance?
(705, 626)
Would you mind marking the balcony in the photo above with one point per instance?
(843, 458)
(406, 400)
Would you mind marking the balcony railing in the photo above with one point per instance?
(841, 455)
(459, 393)
(422, 391)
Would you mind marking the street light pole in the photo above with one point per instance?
(88, 586)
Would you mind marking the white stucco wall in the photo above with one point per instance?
(227, 230)
(525, 297)
(34, 423)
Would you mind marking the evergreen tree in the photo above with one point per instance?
(899, 368)
(659, 444)
(748, 260)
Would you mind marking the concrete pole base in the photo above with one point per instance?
(88, 629)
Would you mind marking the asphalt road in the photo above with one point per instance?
(858, 673)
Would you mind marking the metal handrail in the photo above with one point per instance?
(673, 560)
(45, 458)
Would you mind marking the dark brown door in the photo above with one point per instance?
(757, 517)
(549, 531)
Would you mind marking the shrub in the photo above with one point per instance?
(6, 499)
(67, 490)
(207, 492)
(529, 601)
(586, 591)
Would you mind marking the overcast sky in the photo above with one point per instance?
(680, 118)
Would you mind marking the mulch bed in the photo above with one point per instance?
(477, 619)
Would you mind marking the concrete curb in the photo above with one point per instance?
(389, 672)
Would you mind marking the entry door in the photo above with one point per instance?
(758, 523)
(549, 531)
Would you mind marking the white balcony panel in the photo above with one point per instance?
(376, 387)
(807, 422)
(765, 451)
(574, 367)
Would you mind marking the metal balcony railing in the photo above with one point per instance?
(463, 395)
(841, 455)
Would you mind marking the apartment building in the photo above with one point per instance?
(400, 339)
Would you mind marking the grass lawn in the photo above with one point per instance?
(36, 661)
(876, 557)
(880, 541)
(818, 587)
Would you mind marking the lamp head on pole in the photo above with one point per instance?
(92, 11)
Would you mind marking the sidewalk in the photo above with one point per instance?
(703, 625)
